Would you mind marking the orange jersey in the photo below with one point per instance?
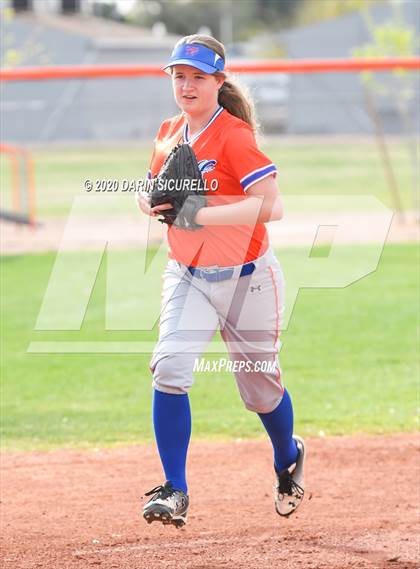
(230, 163)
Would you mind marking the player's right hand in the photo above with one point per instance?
(143, 201)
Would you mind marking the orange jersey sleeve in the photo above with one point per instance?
(244, 159)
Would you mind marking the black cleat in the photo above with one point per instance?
(167, 506)
(289, 490)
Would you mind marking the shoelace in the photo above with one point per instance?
(160, 492)
(288, 486)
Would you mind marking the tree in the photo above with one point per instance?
(185, 17)
(393, 38)
(312, 11)
(278, 12)
(15, 53)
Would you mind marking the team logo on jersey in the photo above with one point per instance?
(191, 50)
(207, 165)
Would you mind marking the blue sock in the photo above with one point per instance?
(279, 426)
(172, 424)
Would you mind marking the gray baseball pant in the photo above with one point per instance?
(248, 311)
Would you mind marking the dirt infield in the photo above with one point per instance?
(79, 509)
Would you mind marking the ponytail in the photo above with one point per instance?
(237, 102)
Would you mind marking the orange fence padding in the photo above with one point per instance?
(17, 154)
(103, 71)
(267, 66)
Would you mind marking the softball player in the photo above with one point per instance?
(222, 276)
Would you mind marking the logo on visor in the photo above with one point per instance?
(191, 50)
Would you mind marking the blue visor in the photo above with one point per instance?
(198, 56)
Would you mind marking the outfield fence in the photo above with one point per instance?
(108, 103)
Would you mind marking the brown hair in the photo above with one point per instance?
(232, 96)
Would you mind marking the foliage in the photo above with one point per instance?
(14, 55)
(393, 38)
(186, 17)
(313, 11)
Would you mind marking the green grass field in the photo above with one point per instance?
(324, 168)
(349, 356)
